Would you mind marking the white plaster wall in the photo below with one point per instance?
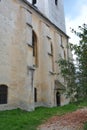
(30, 1)
(54, 12)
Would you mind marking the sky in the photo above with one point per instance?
(75, 15)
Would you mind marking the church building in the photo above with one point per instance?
(32, 38)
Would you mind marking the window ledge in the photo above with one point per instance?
(29, 25)
(52, 73)
(48, 37)
(62, 46)
(31, 68)
(35, 66)
(29, 45)
(35, 6)
(50, 54)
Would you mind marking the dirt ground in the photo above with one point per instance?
(70, 121)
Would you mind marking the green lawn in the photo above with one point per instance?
(22, 120)
(85, 126)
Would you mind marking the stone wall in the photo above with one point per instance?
(18, 67)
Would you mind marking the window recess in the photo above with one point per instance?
(56, 2)
(34, 2)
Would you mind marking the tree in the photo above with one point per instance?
(76, 75)
(67, 68)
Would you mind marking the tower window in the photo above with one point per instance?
(3, 94)
(56, 1)
(35, 94)
(34, 2)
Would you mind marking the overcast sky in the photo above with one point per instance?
(75, 15)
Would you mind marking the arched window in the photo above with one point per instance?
(34, 2)
(34, 44)
(3, 94)
(52, 57)
(56, 2)
(51, 49)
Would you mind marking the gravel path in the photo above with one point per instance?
(70, 121)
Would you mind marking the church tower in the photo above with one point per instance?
(53, 10)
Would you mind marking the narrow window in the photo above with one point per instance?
(51, 60)
(60, 40)
(34, 2)
(35, 94)
(52, 57)
(34, 44)
(3, 94)
(51, 49)
(64, 54)
(56, 2)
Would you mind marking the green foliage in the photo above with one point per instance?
(22, 120)
(85, 126)
(68, 72)
(81, 52)
(76, 75)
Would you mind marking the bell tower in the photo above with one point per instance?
(53, 10)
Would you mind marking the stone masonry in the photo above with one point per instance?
(29, 46)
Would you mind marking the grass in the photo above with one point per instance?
(22, 120)
(85, 126)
